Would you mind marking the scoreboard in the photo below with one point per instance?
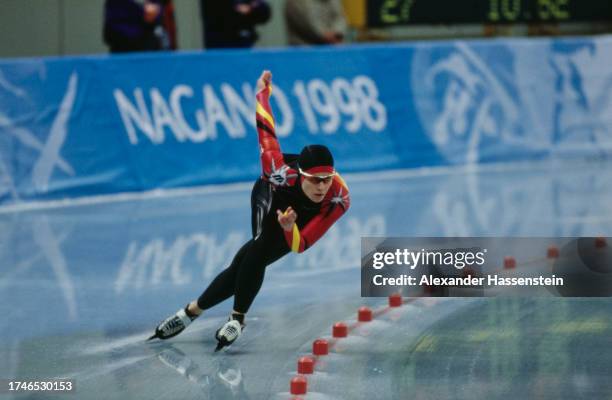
(382, 13)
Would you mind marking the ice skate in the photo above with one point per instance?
(172, 325)
(230, 331)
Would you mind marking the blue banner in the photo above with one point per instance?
(106, 124)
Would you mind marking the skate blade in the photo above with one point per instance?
(152, 337)
(219, 347)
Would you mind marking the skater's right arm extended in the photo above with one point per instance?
(273, 165)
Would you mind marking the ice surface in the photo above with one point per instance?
(82, 286)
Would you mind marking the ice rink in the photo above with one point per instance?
(82, 284)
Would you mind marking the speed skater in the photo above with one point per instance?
(294, 202)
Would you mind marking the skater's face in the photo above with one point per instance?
(315, 186)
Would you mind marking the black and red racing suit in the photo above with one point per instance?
(278, 188)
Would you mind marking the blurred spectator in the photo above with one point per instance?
(132, 25)
(231, 23)
(315, 21)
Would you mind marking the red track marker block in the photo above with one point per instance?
(320, 347)
(305, 365)
(395, 300)
(340, 330)
(509, 262)
(600, 242)
(364, 314)
(298, 385)
(552, 252)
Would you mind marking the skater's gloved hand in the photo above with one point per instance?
(264, 81)
(286, 219)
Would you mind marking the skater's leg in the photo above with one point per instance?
(255, 258)
(249, 279)
(251, 271)
(222, 287)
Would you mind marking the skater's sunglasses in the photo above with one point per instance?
(316, 179)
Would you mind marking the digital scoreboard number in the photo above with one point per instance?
(406, 12)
